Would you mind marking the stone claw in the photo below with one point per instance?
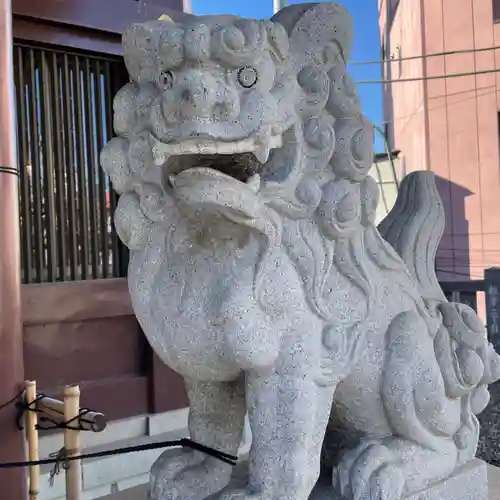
(370, 472)
(179, 474)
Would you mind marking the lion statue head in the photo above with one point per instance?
(241, 139)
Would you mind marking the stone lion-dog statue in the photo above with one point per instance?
(257, 271)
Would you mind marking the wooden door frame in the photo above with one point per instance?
(85, 24)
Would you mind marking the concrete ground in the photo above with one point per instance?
(138, 493)
(489, 442)
(489, 451)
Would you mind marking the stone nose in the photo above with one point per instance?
(197, 94)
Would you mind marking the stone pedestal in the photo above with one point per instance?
(468, 483)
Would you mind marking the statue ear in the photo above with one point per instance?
(277, 39)
(319, 33)
(140, 43)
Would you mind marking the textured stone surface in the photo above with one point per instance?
(265, 282)
(469, 482)
(476, 473)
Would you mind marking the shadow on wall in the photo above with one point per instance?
(453, 257)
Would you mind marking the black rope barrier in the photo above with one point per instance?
(184, 442)
(9, 170)
(11, 401)
(61, 457)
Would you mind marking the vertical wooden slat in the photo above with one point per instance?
(69, 149)
(91, 167)
(34, 140)
(47, 125)
(23, 155)
(81, 184)
(103, 209)
(58, 132)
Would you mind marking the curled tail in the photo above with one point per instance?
(464, 364)
(414, 228)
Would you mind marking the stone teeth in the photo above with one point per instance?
(161, 151)
(254, 183)
(262, 153)
(203, 146)
(159, 154)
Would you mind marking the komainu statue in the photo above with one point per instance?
(258, 273)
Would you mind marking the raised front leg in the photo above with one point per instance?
(288, 413)
(216, 420)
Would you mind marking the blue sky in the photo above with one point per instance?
(366, 43)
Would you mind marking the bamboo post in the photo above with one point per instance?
(72, 443)
(32, 437)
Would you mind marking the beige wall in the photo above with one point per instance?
(383, 172)
(451, 126)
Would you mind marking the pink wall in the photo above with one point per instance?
(450, 125)
(408, 117)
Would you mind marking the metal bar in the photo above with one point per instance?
(47, 125)
(70, 164)
(23, 160)
(13, 482)
(91, 168)
(62, 234)
(35, 168)
(81, 184)
(103, 209)
(112, 194)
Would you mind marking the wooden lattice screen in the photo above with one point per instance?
(64, 110)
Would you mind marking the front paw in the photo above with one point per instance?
(370, 472)
(187, 474)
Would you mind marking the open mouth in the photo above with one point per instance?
(242, 160)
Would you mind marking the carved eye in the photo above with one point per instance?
(247, 77)
(166, 79)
